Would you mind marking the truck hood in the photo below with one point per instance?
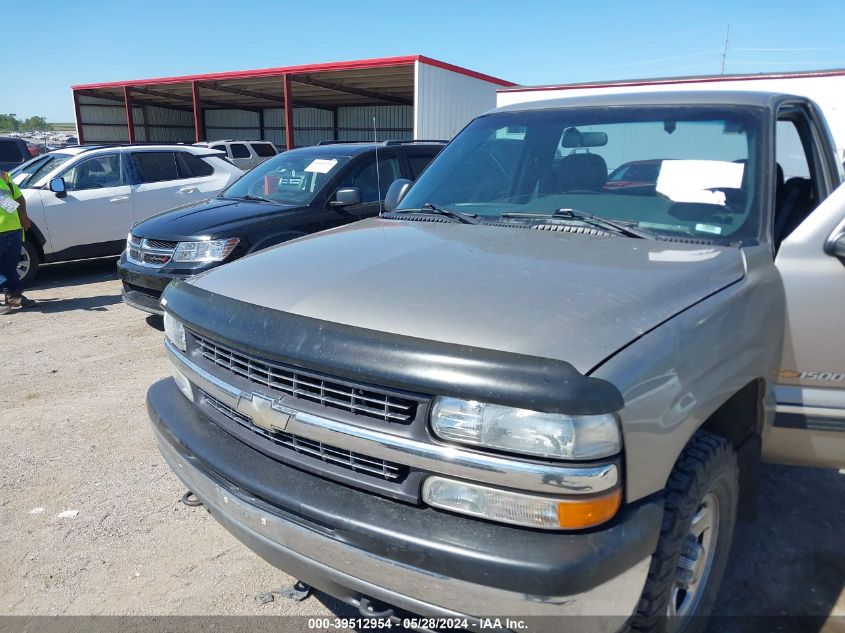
(217, 217)
(571, 297)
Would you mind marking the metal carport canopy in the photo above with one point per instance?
(326, 87)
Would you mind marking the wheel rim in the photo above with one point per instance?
(24, 264)
(696, 561)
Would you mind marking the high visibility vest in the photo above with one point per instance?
(9, 221)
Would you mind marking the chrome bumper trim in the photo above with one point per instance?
(401, 585)
(442, 459)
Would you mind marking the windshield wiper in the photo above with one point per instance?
(588, 218)
(465, 218)
(604, 223)
(249, 196)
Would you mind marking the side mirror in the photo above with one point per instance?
(57, 186)
(395, 193)
(835, 246)
(346, 197)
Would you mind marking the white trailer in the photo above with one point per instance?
(825, 87)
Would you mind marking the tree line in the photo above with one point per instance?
(32, 124)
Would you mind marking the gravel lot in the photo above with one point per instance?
(90, 521)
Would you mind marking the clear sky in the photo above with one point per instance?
(64, 42)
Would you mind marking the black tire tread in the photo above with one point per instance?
(703, 459)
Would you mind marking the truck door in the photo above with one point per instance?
(809, 427)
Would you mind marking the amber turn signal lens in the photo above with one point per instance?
(583, 513)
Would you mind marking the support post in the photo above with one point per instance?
(261, 125)
(335, 130)
(288, 111)
(146, 114)
(198, 126)
(78, 111)
(130, 118)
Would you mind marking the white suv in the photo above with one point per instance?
(83, 200)
(244, 154)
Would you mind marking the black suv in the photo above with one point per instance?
(298, 192)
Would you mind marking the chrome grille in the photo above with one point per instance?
(330, 454)
(160, 244)
(152, 253)
(310, 387)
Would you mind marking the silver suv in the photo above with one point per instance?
(244, 154)
(521, 392)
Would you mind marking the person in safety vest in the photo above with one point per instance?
(13, 223)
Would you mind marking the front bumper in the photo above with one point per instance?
(353, 544)
(143, 286)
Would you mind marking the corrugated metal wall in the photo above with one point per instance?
(392, 122)
(310, 125)
(104, 121)
(446, 101)
(231, 124)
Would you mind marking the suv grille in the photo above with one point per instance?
(152, 253)
(160, 244)
(311, 387)
(330, 454)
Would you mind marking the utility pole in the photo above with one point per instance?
(725, 50)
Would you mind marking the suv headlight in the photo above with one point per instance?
(204, 251)
(175, 331)
(550, 435)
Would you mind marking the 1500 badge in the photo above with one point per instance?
(830, 376)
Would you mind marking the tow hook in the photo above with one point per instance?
(190, 500)
(367, 609)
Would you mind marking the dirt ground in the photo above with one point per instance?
(90, 519)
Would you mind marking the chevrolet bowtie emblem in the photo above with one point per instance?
(265, 412)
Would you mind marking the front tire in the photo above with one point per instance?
(695, 539)
(29, 263)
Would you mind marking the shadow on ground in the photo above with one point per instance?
(788, 567)
(87, 271)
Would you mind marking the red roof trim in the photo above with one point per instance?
(379, 62)
(463, 71)
(680, 80)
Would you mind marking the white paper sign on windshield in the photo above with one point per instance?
(698, 180)
(321, 165)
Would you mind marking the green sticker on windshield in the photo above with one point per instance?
(709, 228)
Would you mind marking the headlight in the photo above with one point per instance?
(205, 251)
(175, 331)
(550, 435)
(518, 508)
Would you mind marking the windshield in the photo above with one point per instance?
(29, 174)
(291, 178)
(672, 170)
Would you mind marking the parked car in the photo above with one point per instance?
(83, 200)
(14, 151)
(636, 174)
(293, 194)
(244, 154)
(516, 393)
